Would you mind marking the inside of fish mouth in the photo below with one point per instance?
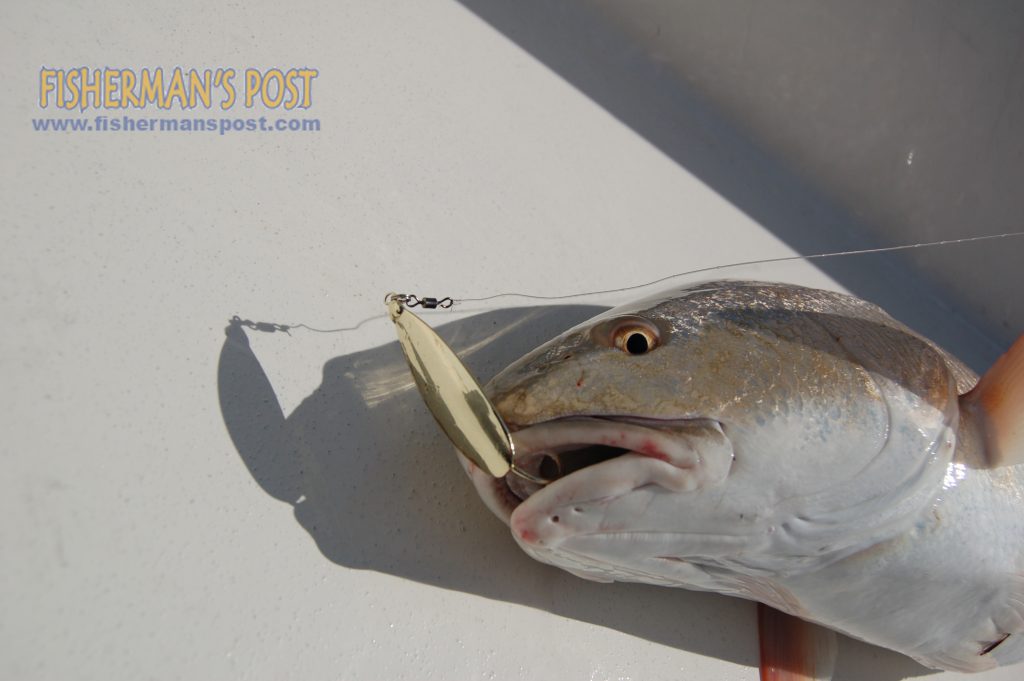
(561, 459)
(558, 462)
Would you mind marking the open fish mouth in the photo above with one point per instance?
(562, 448)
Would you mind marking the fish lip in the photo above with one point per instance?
(500, 494)
(644, 421)
(602, 421)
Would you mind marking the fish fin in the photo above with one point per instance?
(793, 649)
(998, 399)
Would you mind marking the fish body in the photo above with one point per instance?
(792, 446)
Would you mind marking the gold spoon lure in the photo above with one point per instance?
(451, 393)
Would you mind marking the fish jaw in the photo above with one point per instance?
(677, 457)
(598, 505)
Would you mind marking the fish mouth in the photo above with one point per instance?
(561, 448)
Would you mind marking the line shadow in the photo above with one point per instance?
(376, 485)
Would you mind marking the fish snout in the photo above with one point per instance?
(547, 526)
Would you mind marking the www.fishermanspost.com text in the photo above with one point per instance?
(220, 125)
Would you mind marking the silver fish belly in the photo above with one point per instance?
(796, 447)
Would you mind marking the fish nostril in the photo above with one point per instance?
(554, 518)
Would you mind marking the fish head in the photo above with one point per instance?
(706, 436)
(596, 411)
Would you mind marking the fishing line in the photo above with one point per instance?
(424, 302)
(354, 327)
(714, 268)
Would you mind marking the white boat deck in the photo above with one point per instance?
(189, 497)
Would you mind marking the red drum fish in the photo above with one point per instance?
(796, 447)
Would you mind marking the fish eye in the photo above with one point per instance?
(632, 334)
(635, 339)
